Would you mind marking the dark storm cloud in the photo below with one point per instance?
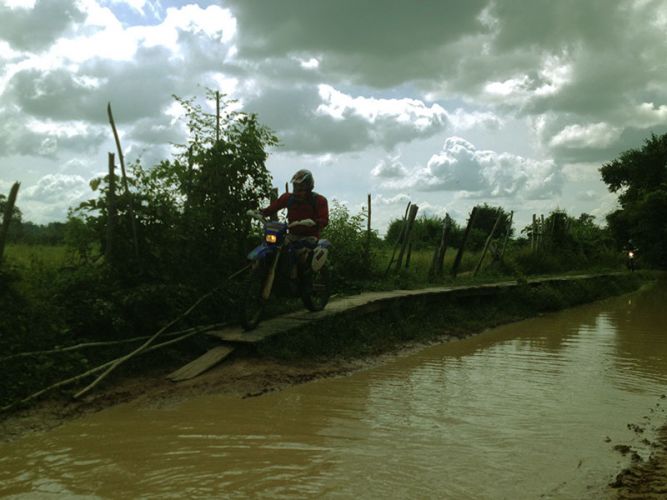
(392, 36)
(37, 28)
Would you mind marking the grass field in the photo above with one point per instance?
(44, 255)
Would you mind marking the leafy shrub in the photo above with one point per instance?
(351, 257)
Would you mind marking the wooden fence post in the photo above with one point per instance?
(488, 242)
(274, 196)
(7, 217)
(459, 254)
(507, 235)
(439, 254)
(399, 240)
(408, 231)
(111, 212)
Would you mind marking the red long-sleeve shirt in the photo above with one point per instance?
(309, 205)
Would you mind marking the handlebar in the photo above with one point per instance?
(304, 222)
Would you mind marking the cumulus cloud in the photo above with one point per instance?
(459, 166)
(597, 135)
(389, 168)
(51, 197)
(57, 188)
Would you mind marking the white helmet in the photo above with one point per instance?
(303, 178)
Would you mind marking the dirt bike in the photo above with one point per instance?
(296, 268)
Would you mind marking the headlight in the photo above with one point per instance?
(631, 254)
(271, 238)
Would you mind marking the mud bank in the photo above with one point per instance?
(335, 347)
(645, 479)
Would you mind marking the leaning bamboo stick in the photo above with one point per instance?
(130, 208)
(88, 373)
(119, 361)
(106, 343)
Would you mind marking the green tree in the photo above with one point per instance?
(639, 176)
(191, 210)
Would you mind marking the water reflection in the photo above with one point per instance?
(517, 412)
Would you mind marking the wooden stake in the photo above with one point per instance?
(399, 240)
(488, 242)
(274, 196)
(507, 235)
(408, 232)
(459, 254)
(439, 254)
(7, 217)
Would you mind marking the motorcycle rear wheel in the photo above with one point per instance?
(316, 289)
(253, 304)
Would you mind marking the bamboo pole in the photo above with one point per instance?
(368, 221)
(111, 211)
(368, 233)
(130, 207)
(408, 232)
(459, 254)
(7, 217)
(488, 242)
(217, 116)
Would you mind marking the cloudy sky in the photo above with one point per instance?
(445, 103)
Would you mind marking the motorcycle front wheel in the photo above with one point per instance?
(316, 289)
(253, 304)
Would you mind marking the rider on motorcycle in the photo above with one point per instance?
(304, 206)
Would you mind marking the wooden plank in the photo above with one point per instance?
(201, 364)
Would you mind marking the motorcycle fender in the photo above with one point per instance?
(260, 252)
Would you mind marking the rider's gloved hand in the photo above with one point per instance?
(304, 222)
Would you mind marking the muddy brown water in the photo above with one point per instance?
(529, 410)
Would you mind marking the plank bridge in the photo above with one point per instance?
(232, 337)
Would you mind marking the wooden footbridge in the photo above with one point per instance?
(362, 304)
